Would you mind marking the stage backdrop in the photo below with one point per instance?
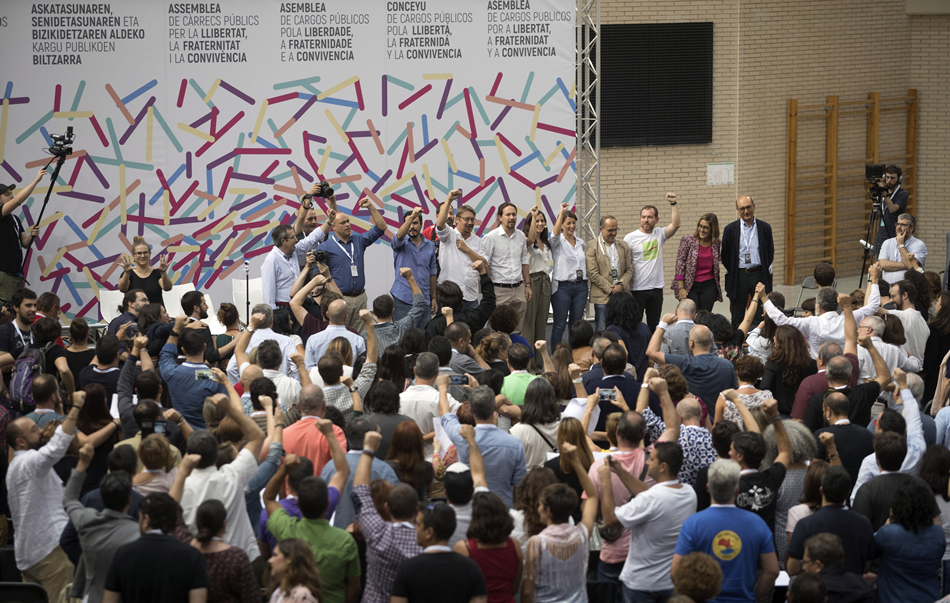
(198, 125)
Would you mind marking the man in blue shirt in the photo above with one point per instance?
(186, 390)
(417, 254)
(345, 251)
(317, 344)
(503, 453)
(739, 540)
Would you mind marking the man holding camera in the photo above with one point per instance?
(307, 215)
(893, 204)
(417, 254)
(282, 264)
(13, 237)
(345, 251)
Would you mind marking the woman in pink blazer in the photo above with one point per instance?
(697, 265)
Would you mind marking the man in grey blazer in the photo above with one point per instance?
(101, 533)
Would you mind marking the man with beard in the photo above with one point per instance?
(459, 249)
(307, 219)
(608, 267)
(506, 249)
(418, 255)
(195, 307)
(282, 263)
(345, 252)
(893, 204)
(646, 253)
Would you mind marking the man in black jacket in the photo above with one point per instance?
(747, 253)
(449, 296)
(824, 555)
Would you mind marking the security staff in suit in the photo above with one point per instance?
(747, 254)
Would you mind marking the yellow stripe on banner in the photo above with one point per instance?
(537, 196)
(244, 191)
(405, 177)
(501, 153)
(336, 126)
(425, 172)
(42, 190)
(448, 155)
(56, 258)
(534, 121)
(573, 89)
(3, 127)
(326, 155)
(361, 223)
(71, 114)
(148, 136)
(262, 229)
(212, 90)
(224, 254)
(167, 207)
(98, 226)
(553, 154)
(214, 205)
(338, 87)
(437, 76)
(224, 223)
(257, 124)
(122, 199)
(50, 219)
(208, 137)
(92, 282)
(183, 248)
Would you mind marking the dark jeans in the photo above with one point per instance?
(746, 288)
(609, 572)
(651, 302)
(645, 596)
(703, 294)
(401, 309)
(600, 317)
(568, 304)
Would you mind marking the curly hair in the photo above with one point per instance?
(622, 311)
(676, 383)
(528, 494)
(504, 319)
(491, 522)
(494, 347)
(698, 576)
(925, 294)
(228, 315)
(790, 351)
(749, 369)
(803, 441)
(935, 469)
(912, 506)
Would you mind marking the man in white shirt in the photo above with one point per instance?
(826, 325)
(36, 500)
(895, 357)
(506, 250)
(646, 254)
(897, 254)
(654, 517)
(307, 221)
(903, 295)
(420, 402)
(287, 347)
(204, 481)
(459, 248)
(317, 344)
(282, 264)
(269, 358)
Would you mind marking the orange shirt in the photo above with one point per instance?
(304, 439)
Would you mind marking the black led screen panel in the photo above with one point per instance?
(656, 84)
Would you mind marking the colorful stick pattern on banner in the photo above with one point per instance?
(251, 164)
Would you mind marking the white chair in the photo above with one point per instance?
(212, 321)
(240, 296)
(109, 302)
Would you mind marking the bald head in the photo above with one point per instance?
(251, 372)
(23, 434)
(700, 338)
(838, 371)
(336, 313)
(311, 402)
(689, 411)
(686, 309)
(745, 207)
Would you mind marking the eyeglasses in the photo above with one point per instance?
(143, 254)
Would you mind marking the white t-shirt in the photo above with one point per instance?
(654, 519)
(646, 255)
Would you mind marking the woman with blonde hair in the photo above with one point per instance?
(697, 265)
(294, 574)
(493, 349)
(138, 273)
(156, 455)
(342, 348)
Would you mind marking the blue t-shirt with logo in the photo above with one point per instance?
(733, 537)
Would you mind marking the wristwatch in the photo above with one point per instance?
(353, 389)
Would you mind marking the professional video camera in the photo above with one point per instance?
(874, 175)
(62, 144)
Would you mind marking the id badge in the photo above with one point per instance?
(613, 274)
(353, 270)
(580, 275)
(748, 258)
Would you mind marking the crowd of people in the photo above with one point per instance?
(437, 447)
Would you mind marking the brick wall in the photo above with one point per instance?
(765, 53)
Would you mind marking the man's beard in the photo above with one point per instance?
(202, 315)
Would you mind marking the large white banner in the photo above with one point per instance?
(198, 125)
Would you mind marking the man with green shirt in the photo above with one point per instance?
(334, 549)
(517, 382)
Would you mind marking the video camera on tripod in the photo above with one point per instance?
(62, 144)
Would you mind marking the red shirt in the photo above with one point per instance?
(59, 340)
(304, 439)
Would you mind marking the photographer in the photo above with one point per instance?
(11, 256)
(307, 214)
(892, 205)
(282, 263)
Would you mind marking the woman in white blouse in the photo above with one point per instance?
(539, 268)
(569, 279)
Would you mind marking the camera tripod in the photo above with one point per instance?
(874, 221)
(60, 160)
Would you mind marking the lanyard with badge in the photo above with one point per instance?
(884, 204)
(349, 254)
(614, 274)
(747, 240)
(20, 334)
